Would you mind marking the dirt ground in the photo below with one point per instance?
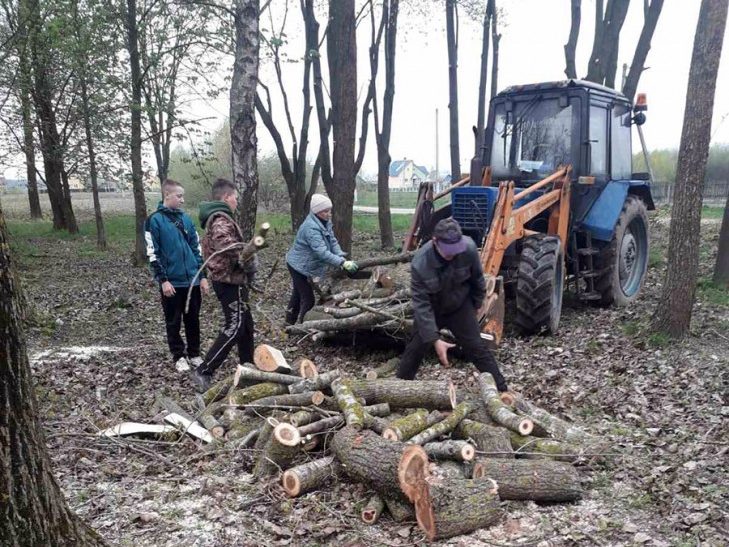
(99, 357)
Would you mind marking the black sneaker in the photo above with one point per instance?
(201, 381)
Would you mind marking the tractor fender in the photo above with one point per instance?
(602, 217)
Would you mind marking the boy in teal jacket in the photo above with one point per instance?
(174, 255)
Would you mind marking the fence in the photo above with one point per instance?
(714, 192)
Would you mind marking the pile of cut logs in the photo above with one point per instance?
(429, 451)
(376, 299)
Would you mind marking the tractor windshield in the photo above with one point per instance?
(531, 139)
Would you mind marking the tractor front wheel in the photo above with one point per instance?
(623, 262)
(539, 285)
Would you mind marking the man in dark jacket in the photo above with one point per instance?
(231, 280)
(173, 249)
(448, 287)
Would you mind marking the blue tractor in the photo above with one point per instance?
(552, 200)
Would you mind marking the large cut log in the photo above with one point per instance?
(372, 509)
(432, 394)
(305, 368)
(254, 375)
(386, 369)
(217, 391)
(285, 401)
(501, 413)
(451, 507)
(450, 450)
(558, 428)
(400, 510)
(354, 414)
(280, 450)
(534, 448)
(538, 480)
(391, 468)
(405, 427)
(446, 425)
(308, 476)
(319, 382)
(134, 429)
(269, 359)
(490, 441)
(242, 397)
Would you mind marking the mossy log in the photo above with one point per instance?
(400, 510)
(285, 401)
(321, 425)
(242, 397)
(556, 427)
(403, 428)
(376, 424)
(431, 394)
(450, 450)
(217, 391)
(280, 450)
(308, 476)
(354, 414)
(303, 417)
(265, 432)
(391, 468)
(491, 441)
(209, 421)
(341, 313)
(384, 370)
(451, 507)
(247, 374)
(537, 480)
(319, 382)
(239, 429)
(535, 448)
(372, 509)
(364, 319)
(501, 413)
(446, 425)
(449, 469)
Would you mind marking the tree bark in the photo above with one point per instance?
(673, 313)
(721, 268)
(603, 60)
(450, 450)
(432, 394)
(556, 427)
(452, 40)
(483, 77)
(495, 39)
(34, 509)
(571, 46)
(243, 112)
(444, 426)
(642, 49)
(242, 397)
(493, 441)
(537, 480)
(308, 476)
(534, 448)
(500, 413)
(403, 428)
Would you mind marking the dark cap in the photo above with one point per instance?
(449, 237)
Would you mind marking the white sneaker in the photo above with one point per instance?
(182, 365)
(195, 362)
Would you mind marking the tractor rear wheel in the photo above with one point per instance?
(539, 285)
(623, 262)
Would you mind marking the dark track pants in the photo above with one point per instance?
(302, 297)
(464, 326)
(237, 329)
(174, 310)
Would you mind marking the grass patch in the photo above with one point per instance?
(631, 328)
(655, 258)
(712, 212)
(659, 339)
(712, 293)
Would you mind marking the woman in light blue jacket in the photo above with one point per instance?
(315, 251)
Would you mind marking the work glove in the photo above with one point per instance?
(350, 266)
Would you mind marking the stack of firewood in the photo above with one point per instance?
(445, 457)
(377, 299)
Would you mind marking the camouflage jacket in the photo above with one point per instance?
(221, 231)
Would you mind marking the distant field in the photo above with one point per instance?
(397, 199)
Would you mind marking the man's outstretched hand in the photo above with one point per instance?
(441, 350)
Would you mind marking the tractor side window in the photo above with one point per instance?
(620, 148)
(598, 140)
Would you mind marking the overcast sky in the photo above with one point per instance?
(531, 50)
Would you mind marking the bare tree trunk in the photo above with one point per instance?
(644, 45)
(100, 230)
(34, 509)
(673, 313)
(603, 61)
(342, 55)
(495, 39)
(721, 268)
(571, 46)
(483, 77)
(243, 113)
(452, 39)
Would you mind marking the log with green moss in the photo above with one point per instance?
(444, 426)
(390, 468)
(400, 510)
(489, 440)
(285, 401)
(317, 383)
(535, 448)
(242, 397)
(217, 391)
(383, 371)
(556, 427)
(354, 414)
(451, 506)
(431, 394)
(405, 427)
(239, 429)
(537, 480)
(501, 413)
(308, 476)
(450, 450)
(279, 451)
